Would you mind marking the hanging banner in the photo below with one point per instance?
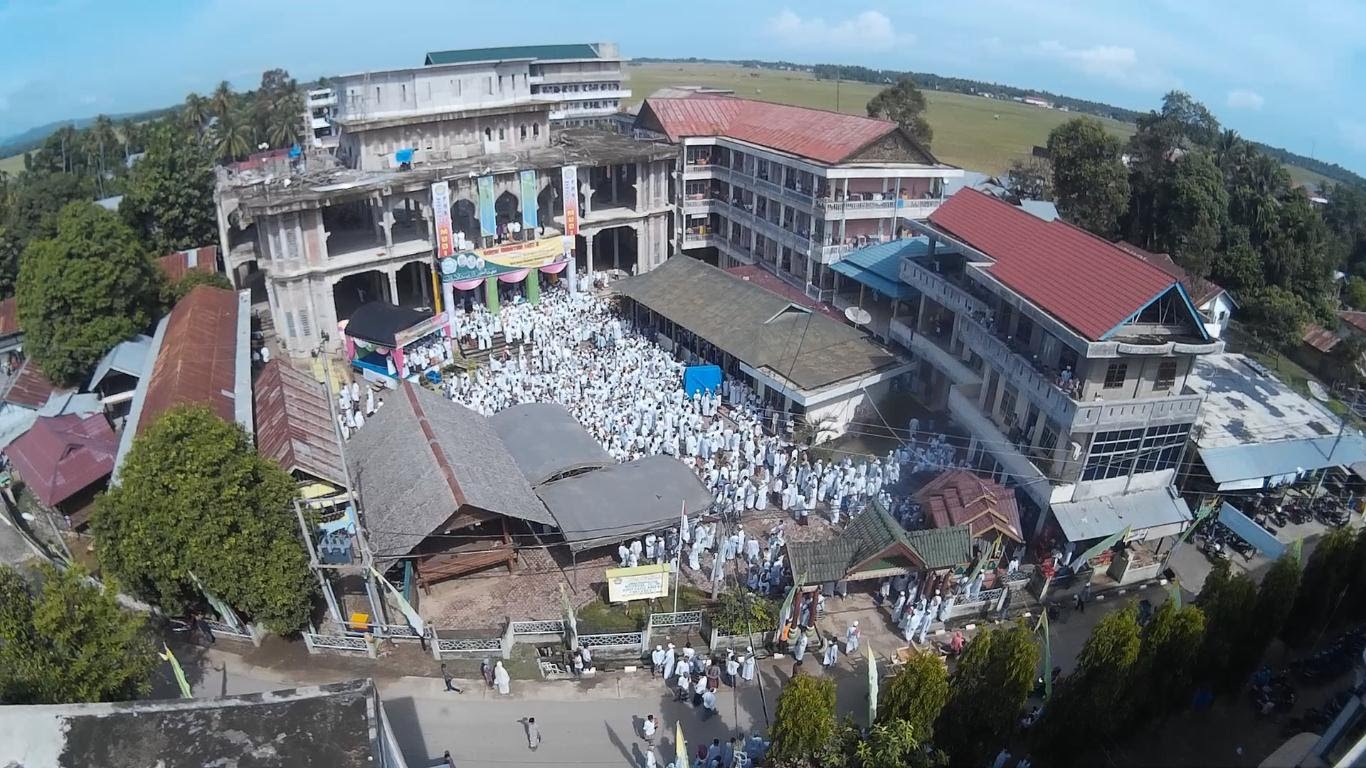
(488, 216)
(570, 193)
(441, 211)
(872, 684)
(501, 260)
(530, 218)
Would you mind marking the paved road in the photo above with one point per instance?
(592, 723)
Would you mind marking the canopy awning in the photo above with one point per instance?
(1238, 464)
(1147, 514)
(890, 288)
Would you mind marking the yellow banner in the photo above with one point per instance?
(644, 582)
(529, 253)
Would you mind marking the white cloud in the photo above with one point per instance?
(1112, 62)
(1244, 98)
(1353, 133)
(867, 31)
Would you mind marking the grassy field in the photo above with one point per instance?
(969, 131)
(12, 165)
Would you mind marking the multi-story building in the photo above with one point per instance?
(789, 188)
(1064, 357)
(319, 110)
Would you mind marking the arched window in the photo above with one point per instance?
(501, 134)
(523, 132)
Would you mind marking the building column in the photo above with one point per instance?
(643, 190)
(491, 294)
(587, 199)
(588, 249)
(393, 285)
(533, 286)
(612, 179)
(616, 241)
(844, 220)
(386, 215)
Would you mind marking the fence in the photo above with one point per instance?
(219, 629)
(982, 603)
(317, 641)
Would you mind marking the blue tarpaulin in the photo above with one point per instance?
(404, 156)
(698, 378)
(1248, 530)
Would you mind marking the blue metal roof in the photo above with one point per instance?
(1233, 463)
(879, 266)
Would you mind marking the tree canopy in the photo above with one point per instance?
(67, 641)
(1079, 716)
(1090, 182)
(175, 291)
(903, 104)
(169, 201)
(804, 720)
(85, 289)
(194, 497)
(916, 694)
(986, 692)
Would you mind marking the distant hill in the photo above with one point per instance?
(931, 81)
(34, 137)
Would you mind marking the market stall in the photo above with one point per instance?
(387, 343)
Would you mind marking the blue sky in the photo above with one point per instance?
(1291, 75)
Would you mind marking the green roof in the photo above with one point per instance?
(569, 51)
(942, 547)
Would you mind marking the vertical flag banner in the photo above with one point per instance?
(872, 684)
(570, 193)
(441, 211)
(680, 746)
(488, 216)
(530, 217)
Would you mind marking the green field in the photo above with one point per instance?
(12, 164)
(969, 131)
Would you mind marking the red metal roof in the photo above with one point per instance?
(765, 279)
(197, 362)
(1200, 289)
(1320, 338)
(9, 317)
(30, 387)
(177, 263)
(1087, 283)
(61, 455)
(1355, 319)
(294, 423)
(827, 137)
(960, 497)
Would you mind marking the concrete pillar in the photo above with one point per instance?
(491, 293)
(612, 176)
(533, 286)
(588, 249)
(616, 241)
(587, 200)
(393, 285)
(387, 221)
(643, 192)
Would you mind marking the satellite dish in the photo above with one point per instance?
(1316, 389)
(858, 316)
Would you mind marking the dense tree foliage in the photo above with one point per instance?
(1089, 179)
(804, 721)
(1079, 716)
(1030, 179)
(1229, 601)
(903, 104)
(1164, 674)
(916, 694)
(986, 692)
(173, 292)
(88, 287)
(195, 498)
(1329, 575)
(66, 640)
(169, 201)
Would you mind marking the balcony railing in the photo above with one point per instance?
(940, 357)
(1021, 371)
(939, 288)
(1029, 478)
(900, 333)
(833, 253)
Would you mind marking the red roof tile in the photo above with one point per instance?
(294, 423)
(1200, 289)
(30, 388)
(960, 497)
(9, 317)
(817, 134)
(177, 263)
(62, 455)
(197, 362)
(1087, 283)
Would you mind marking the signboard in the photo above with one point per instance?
(571, 200)
(441, 210)
(500, 259)
(530, 218)
(644, 582)
(488, 216)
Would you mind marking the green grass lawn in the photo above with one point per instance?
(12, 164)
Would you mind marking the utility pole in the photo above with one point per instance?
(1342, 427)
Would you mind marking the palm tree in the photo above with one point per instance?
(1229, 149)
(283, 116)
(196, 112)
(231, 138)
(222, 100)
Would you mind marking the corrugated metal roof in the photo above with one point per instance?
(177, 263)
(624, 500)
(1320, 338)
(198, 359)
(545, 440)
(961, 497)
(942, 547)
(294, 424)
(549, 52)
(879, 266)
(9, 317)
(128, 357)
(1108, 515)
(770, 282)
(1090, 285)
(62, 455)
(1200, 289)
(29, 388)
(816, 134)
(1232, 463)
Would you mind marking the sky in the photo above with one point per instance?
(1290, 75)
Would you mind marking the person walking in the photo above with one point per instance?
(648, 728)
(446, 676)
(501, 679)
(832, 653)
(851, 639)
(732, 669)
(486, 669)
(533, 734)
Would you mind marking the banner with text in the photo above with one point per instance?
(501, 259)
(488, 215)
(644, 582)
(441, 210)
(530, 217)
(571, 200)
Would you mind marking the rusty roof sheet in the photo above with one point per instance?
(816, 134)
(197, 361)
(177, 263)
(1320, 338)
(9, 317)
(30, 388)
(62, 455)
(294, 424)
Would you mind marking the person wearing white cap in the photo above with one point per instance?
(657, 660)
(668, 664)
(851, 638)
(747, 667)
